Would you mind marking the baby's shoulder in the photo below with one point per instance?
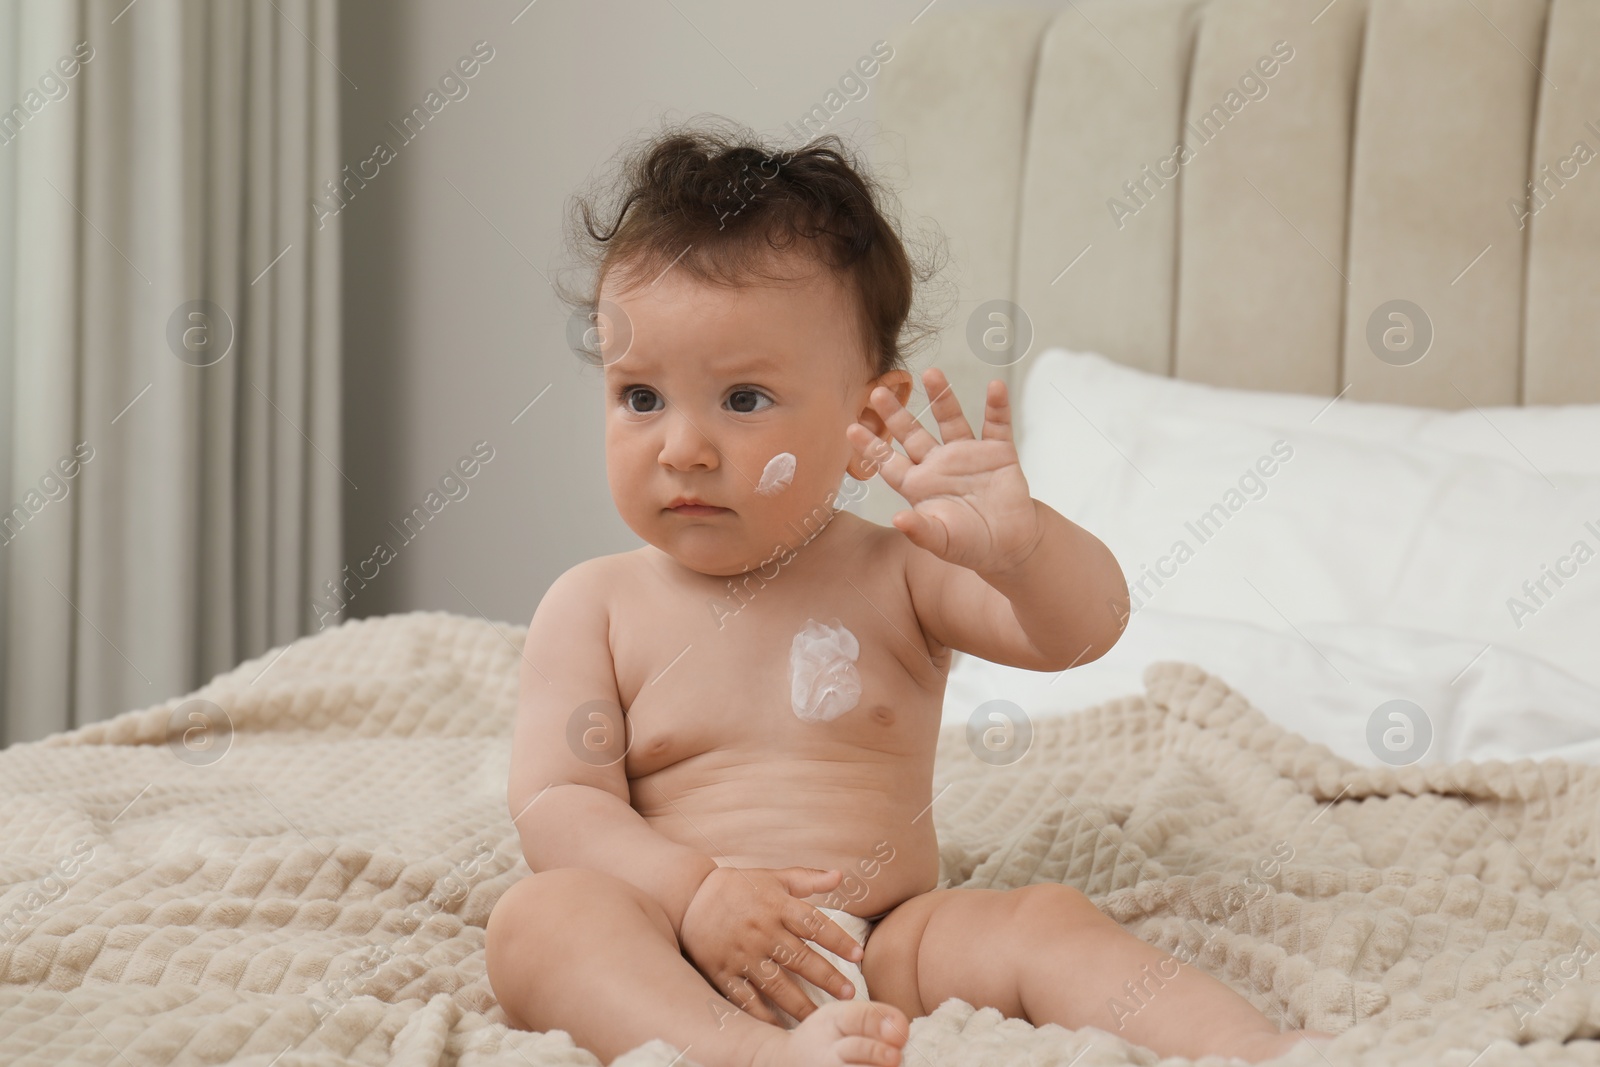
(586, 585)
(602, 568)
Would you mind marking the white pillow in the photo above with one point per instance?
(1508, 706)
(1283, 510)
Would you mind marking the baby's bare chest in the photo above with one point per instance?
(761, 671)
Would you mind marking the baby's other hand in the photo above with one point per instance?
(746, 928)
(969, 501)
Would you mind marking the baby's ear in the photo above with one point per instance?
(897, 382)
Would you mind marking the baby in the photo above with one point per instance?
(722, 766)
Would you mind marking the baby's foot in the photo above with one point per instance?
(838, 1033)
(1257, 1047)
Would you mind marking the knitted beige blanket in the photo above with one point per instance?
(313, 888)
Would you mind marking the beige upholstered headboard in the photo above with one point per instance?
(1337, 157)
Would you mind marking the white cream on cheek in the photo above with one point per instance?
(823, 680)
(777, 474)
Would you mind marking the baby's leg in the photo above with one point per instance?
(585, 952)
(1087, 967)
(1045, 953)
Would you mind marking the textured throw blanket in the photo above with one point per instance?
(295, 864)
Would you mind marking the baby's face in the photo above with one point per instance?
(719, 395)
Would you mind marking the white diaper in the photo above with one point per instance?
(856, 927)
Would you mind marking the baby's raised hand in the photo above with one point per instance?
(969, 501)
(746, 928)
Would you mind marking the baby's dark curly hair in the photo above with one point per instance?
(711, 198)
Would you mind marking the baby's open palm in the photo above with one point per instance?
(969, 500)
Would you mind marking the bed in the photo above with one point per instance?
(294, 864)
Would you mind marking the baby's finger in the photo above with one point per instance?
(903, 425)
(997, 412)
(781, 989)
(815, 968)
(875, 452)
(743, 993)
(922, 531)
(810, 923)
(953, 425)
(879, 458)
(803, 881)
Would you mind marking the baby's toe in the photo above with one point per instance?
(875, 1019)
(866, 1050)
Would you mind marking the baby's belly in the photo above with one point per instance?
(877, 832)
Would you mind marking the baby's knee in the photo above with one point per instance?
(515, 920)
(540, 928)
(548, 908)
(1057, 904)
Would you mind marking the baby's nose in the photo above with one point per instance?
(684, 446)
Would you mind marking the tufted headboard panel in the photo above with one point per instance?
(1297, 195)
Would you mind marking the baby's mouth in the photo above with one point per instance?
(697, 509)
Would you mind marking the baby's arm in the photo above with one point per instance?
(1064, 605)
(572, 810)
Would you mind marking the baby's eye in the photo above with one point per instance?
(629, 395)
(740, 398)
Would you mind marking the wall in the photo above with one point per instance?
(451, 328)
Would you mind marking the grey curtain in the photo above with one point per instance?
(169, 329)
